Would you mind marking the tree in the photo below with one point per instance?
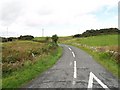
(77, 36)
(10, 39)
(26, 37)
(55, 39)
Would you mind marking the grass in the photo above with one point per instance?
(15, 54)
(40, 39)
(24, 60)
(105, 59)
(22, 76)
(102, 40)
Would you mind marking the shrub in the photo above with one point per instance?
(92, 32)
(55, 39)
(4, 39)
(26, 37)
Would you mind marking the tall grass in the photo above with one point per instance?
(22, 76)
(15, 54)
(105, 60)
(24, 60)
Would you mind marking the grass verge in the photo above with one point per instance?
(24, 75)
(105, 60)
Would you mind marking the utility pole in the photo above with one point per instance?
(7, 34)
(42, 32)
(7, 31)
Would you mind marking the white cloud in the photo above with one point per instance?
(62, 17)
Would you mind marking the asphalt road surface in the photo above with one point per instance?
(75, 69)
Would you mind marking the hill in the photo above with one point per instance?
(93, 32)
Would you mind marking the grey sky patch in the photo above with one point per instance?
(55, 16)
(10, 12)
(8, 34)
(45, 11)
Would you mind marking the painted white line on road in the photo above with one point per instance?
(75, 70)
(73, 54)
(90, 82)
(70, 49)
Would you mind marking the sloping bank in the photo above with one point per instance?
(22, 76)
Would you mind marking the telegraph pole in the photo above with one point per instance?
(7, 34)
(7, 31)
(42, 32)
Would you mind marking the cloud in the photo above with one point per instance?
(55, 16)
(10, 12)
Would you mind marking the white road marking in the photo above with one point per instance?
(90, 82)
(73, 54)
(75, 70)
(70, 49)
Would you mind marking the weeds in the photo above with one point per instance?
(30, 70)
(20, 53)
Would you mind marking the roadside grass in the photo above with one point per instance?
(15, 54)
(25, 74)
(105, 59)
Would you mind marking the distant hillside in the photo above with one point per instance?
(93, 32)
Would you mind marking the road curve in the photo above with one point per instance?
(75, 69)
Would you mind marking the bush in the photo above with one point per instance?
(4, 39)
(26, 37)
(92, 32)
(55, 39)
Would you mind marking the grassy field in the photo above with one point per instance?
(39, 38)
(24, 60)
(98, 47)
(102, 40)
(15, 54)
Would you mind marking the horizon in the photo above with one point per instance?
(56, 34)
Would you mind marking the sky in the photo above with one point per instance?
(61, 17)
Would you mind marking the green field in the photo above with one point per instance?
(20, 65)
(102, 43)
(102, 40)
(39, 38)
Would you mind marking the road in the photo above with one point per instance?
(75, 69)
